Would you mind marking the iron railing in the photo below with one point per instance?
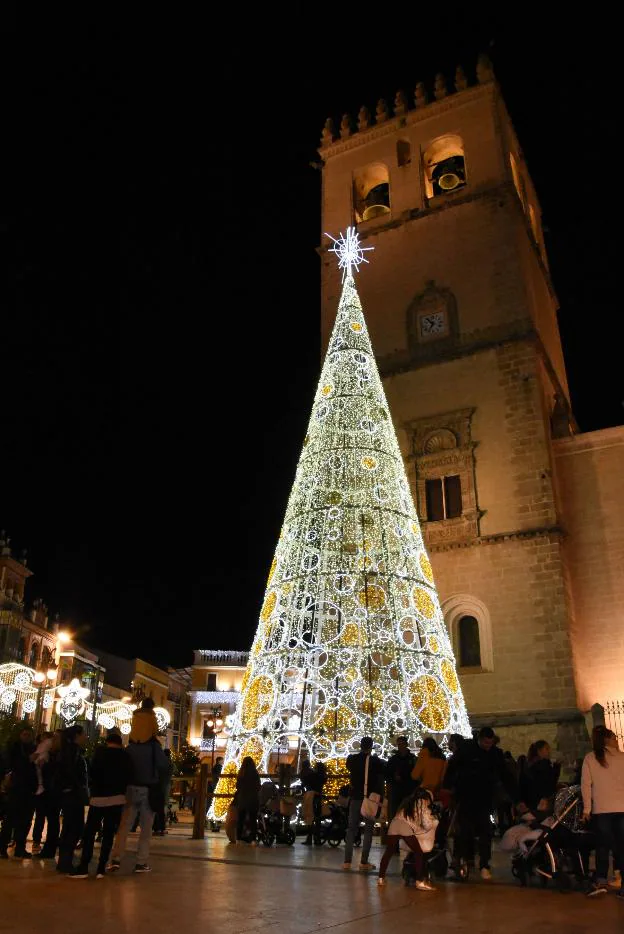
(614, 719)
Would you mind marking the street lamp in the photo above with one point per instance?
(212, 728)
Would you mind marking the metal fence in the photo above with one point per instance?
(614, 719)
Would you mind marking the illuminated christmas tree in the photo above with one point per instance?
(351, 640)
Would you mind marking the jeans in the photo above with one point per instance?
(355, 817)
(392, 842)
(609, 830)
(474, 821)
(73, 824)
(108, 818)
(137, 797)
(17, 820)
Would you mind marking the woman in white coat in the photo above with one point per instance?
(602, 786)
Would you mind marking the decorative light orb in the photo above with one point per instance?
(8, 697)
(39, 677)
(349, 252)
(48, 699)
(209, 723)
(51, 674)
(125, 728)
(163, 718)
(106, 721)
(29, 706)
(22, 680)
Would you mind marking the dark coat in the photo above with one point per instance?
(542, 777)
(248, 791)
(111, 772)
(479, 774)
(356, 765)
(23, 772)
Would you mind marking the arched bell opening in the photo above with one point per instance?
(371, 192)
(444, 166)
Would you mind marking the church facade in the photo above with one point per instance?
(523, 516)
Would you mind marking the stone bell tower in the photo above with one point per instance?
(462, 316)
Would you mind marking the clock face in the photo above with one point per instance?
(433, 324)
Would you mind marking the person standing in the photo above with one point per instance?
(478, 773)
(160, 820)
(367, 775)
(72, 782)
(399, 775)
(148, 764)
(430, 767)
(111, 772)
(20, 804)
(247, 799)
(313, 781)
(542, 776)
(602, 788)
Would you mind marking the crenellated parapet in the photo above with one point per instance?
(423, 97)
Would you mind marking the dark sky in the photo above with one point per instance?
(161, 331)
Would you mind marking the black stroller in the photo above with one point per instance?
(560, 854)
(274, 817)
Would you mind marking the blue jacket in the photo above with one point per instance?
(148, 762)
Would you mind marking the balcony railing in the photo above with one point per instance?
(220, 657)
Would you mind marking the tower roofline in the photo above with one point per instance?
(384, 124)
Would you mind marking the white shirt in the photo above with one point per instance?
(422, 821)
(603, 786)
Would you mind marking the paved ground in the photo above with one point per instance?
(208, 886)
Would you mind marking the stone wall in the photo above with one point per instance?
(590, 474)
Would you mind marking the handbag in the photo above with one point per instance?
(370, 803)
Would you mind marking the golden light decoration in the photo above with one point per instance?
(425, 567)
(423, 603)
(254, 748)
(225, 786)
(352, 571)
(430, 703)
(449, 675)
(258, 701)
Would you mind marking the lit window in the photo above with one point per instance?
(444, 498)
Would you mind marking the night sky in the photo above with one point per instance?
(160, 339)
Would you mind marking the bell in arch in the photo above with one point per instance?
(449, 174)
(377, 202)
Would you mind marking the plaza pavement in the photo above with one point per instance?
(209, 886)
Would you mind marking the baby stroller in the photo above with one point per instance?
(561, 851)
(333, 823)
(274, 817)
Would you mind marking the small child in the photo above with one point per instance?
(40, 757)
(144, 723)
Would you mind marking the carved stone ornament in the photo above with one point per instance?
(400, 104)
(364, 118)
(327, 136)
(460, 79)
(382, 111)
(420, 95)
(440, 89)
(345, 127)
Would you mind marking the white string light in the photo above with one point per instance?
(349, 252)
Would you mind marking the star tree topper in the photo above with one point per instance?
(348, 251)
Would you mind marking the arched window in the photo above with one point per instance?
(444, 166)
(470, 628)
(468, 642)
(371, 192)
(34, 653)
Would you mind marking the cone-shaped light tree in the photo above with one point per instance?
(351, 640)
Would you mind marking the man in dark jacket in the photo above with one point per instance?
(367, 776)
(148, 766)
(399, 775)
(72, 784)
(479, 773)
(111, 773)
(20, 803)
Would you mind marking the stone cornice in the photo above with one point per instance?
(554, 531)
(411, 118)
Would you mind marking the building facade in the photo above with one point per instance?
(463, 318)
(217, 677)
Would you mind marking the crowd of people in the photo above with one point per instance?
(485, 788)
(407, 794)
(50, 784)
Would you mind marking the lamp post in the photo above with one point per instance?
(213, 727)
(41, 679)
